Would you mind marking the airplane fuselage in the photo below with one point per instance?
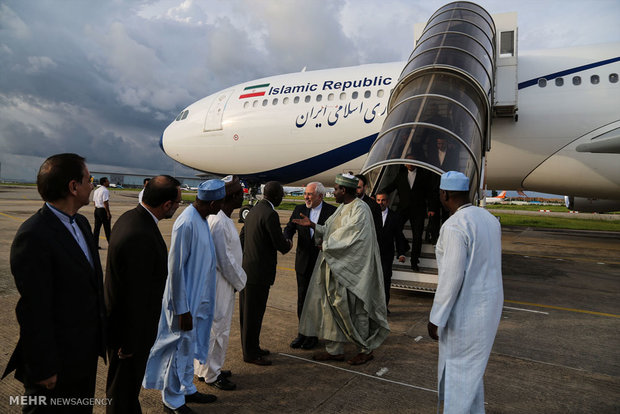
(309, 126)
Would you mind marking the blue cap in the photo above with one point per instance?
(454, 181)
(211, 190)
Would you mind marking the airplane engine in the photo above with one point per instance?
(591, 205)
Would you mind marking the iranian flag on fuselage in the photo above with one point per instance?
(254, 90)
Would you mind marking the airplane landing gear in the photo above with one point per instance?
(243, 212)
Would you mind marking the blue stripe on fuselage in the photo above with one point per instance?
(551, 76)
(315, 165)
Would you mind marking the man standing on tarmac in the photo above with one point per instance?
(469, 298)
(345, 300)
(231, 278)
(187, 306)
(307, 251)
(134, 289)
(101, 198)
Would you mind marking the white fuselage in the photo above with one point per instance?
(309, 126)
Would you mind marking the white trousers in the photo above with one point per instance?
(220, 332)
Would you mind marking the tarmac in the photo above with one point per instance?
(557, 349)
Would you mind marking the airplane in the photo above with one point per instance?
(495, 200)
(544, 121)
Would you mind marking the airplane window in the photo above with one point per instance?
(380, 93)
(354, 95)
(185, 113)
(367, 94)
(254, 104)
(576, 80)
(542, 82)
(330, 97)
(319, 98)
(178, 118)
(246, 104)
(265, 102)
(507, 44)
(285, 100)
(594, 79)
(307, 98)
(343, 96)
(296, 100)
(275, 101)
(613, 77)
(559, 81)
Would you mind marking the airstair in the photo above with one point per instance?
(446, 92)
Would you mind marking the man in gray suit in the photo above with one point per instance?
(261, 238)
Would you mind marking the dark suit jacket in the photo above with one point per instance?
(136, 275)
(392, 235)
(412, 199)
(375, 209)
(262, 238)
(307, 251)
(61, 312)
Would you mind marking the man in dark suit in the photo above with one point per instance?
(413, 185)
(374, 207)
(391, 235)
(61, 312)
(261, 238)
(136, 274)
(307, 251)
(446, 158)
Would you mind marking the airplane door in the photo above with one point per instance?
(213, 121)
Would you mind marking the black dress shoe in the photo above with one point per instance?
(298, 342)
(200, 398)
(310, 342)
(226, 373)
(263, 352)
(223, 383)
(184, 409)
(258, 361)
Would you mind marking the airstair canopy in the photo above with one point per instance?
(439, 111)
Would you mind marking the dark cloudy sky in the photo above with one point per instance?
(104, 78)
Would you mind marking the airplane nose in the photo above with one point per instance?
(161, 143)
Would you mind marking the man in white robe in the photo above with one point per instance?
(469, 298)
(187, 306)
(231, 278)
(346, 300)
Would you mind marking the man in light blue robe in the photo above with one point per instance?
(469, 298)
(188, 304)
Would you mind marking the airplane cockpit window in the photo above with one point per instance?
(275, 101)
(307, 99)
(319, 98)
(296, 100)
(559, 81)
(594, 79)
(354, 95)
(343, 96)
(576, 80)
(182, 115)
(380, 93)
(542, 82)
(367, 94)
(265, 102)
(613, 77)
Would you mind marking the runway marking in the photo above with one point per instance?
(359, 373)
(13, 217)
(525, 310)
(286, 268)
(538, 305)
